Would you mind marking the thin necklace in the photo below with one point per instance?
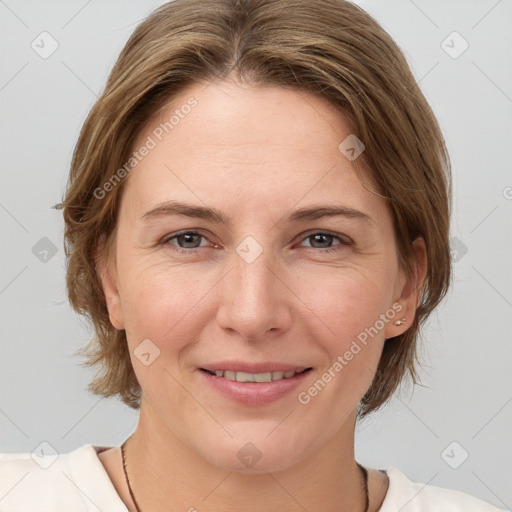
(362, 468)
(126, 477)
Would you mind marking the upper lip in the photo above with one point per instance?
(244, 366)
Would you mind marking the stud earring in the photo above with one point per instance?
(400, 322)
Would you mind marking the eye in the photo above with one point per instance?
(186, 241)
(323, 240)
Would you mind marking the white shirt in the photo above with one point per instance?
(78, 482)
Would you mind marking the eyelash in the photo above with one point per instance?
(343, 243)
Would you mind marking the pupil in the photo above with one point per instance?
(188, 238)
(320, 236)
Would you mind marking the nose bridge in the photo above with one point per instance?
(254, 299)
(254, 275)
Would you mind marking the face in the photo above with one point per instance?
(249, 272)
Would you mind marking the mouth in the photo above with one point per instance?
(240, 376)
(254, 384)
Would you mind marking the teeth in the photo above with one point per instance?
(259, 377)
(254, 377)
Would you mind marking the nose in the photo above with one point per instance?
(255, 298)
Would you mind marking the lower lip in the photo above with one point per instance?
(254, 393)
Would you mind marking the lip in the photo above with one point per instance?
(254, 393)
(244, 366)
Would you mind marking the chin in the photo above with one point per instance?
(248, 454)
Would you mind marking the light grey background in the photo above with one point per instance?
(467, 349)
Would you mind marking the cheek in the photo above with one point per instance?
(354, 308)
(347, 300)
(161, 302)
(164, 305)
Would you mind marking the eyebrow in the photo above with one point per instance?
(212, 214)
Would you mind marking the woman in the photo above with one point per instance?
(257, 223)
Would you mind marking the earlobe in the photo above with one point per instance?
(107, 273)
(410, 291)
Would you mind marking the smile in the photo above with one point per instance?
(254, 377)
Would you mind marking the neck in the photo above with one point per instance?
(166, 474)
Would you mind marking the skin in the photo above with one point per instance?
(256, 154)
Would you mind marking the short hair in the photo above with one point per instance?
(330, 48)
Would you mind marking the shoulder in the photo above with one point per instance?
(58, 482)
(408, 496)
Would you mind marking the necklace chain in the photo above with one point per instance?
(364, 472)
(126, 477)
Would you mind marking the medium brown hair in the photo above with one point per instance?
(331, 48)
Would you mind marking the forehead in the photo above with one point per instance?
(236, 146)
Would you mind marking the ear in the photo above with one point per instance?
(408, 292)
(107, 272)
